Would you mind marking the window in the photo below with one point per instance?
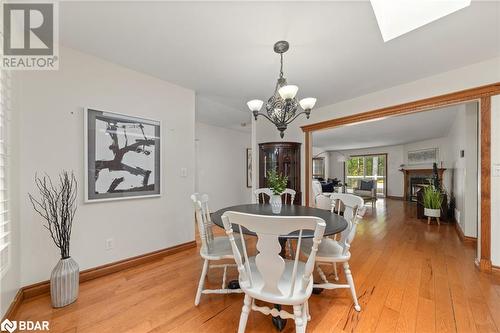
(319, 167)
(368, 167)
(5, 102)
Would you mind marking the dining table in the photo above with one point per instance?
(335, 224)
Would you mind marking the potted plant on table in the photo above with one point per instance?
(57, 206)
(277, 184)
(433, 199)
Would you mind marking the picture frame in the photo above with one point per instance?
(123, 157)
(249, 167)
(423, 156)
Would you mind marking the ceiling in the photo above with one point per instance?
(389, 131)
(223, 50)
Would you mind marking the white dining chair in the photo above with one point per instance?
(324, 202)
(261, 193)
(331, 251)
(318, 193)
(268, 277)
(316, 188)
(289, 196)
(212, 248)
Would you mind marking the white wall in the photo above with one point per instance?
(336, 168)
(463, 136)
(443, 144)
(51, 139)
(221, 165)
(495, 180)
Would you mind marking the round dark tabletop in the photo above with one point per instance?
(334, 223)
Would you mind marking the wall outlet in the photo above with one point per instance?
(109, 244)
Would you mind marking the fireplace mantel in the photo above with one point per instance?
(415, 172)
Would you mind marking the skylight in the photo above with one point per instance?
(398, 17)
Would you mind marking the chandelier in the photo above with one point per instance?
(282, 107)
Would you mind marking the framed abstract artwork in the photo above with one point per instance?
(122, 156)
(249, 167)
(423, 156)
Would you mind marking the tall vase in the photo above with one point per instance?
(276, 203)
(64, 282)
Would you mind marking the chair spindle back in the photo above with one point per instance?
(203, 220)
(289, 196)
(261, 193)
(351, 205)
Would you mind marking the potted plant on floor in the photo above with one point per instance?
(57, 206)
(277, 184)
(433, 199)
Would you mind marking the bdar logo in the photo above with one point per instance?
(8, 325)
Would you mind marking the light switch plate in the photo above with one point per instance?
(496, 170)
(184, 172)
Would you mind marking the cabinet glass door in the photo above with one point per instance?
(270, 161)
(287, 159)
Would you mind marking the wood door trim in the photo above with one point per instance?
(483, 95)
(425, 104)
(43, 287)
(308, 168)
(485, 261)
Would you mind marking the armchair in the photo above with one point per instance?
(367, 189)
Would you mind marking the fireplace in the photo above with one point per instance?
(416, 183)
(415, 179)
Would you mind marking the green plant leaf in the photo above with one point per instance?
(433, 198)
(277, 182)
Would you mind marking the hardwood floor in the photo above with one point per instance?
(410, 277)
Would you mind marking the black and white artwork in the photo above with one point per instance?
(423, 156)
(123, 156)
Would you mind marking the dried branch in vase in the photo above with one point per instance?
(57, 206)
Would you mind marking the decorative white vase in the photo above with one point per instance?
(64, 282)
(432, 212)
(276, 203)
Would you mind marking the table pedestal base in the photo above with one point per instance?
(279, 322)
(233, 284)
(317, 291)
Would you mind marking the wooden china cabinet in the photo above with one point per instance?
(284, 157)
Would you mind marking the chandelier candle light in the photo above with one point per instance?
(283, 105)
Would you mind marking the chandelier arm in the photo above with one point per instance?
(265, 116)
(298, 114)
